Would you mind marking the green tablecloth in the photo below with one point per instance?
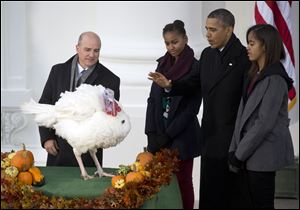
(66, 182)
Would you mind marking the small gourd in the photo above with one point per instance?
(38, 177)
(11, 155)
(25, 177)
(144, 158)
(12, 171)
(146, 174)
(136, 166)
(134, 176)
(118, 181)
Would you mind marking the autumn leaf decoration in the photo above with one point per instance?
(17, 195)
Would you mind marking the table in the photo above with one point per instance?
(66, 182)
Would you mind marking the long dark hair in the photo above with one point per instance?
(270, 38)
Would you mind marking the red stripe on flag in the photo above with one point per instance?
(284, 32)
(258, 18)
(282, 28)
(292, 93)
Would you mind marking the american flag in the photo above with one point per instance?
(277, 13)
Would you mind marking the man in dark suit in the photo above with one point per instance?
(220, 78)
(83, 67)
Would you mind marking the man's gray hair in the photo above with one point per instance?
(224, 16)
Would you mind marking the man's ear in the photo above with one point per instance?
(229, 30)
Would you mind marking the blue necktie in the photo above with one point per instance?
(80, 78)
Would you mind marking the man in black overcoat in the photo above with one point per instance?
(220, 78)
(83, 67)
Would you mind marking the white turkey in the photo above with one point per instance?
(88, 118)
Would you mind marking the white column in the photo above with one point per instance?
(13, 54)
(132, 38)
(14, 92)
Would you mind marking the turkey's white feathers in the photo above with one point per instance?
(79, 117)
(44, 114)
(86, 101)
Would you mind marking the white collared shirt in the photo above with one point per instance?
(80, 70)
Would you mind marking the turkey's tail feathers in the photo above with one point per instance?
(44, 113)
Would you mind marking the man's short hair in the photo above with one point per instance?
(88, 33)
(224, 16)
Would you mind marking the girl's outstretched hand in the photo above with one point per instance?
(160, 80)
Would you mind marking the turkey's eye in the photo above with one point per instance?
(122, 121)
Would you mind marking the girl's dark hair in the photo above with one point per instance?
(271, 40)
(176, 26)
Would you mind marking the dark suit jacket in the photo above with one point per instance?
(58, 82)
(182, 125)
(220, 79)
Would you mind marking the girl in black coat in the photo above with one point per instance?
(171, 122)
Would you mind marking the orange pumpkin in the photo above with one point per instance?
(118, 181)
(144, 158)
(25, 177)
(136, 177)
(23, 159)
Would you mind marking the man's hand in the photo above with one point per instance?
(152, 146)
(160, 79)
(51, 147)
(235, 165)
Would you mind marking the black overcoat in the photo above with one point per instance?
(182, 125)
(220, 79)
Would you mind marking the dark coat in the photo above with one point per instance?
(58, 82)
(182, 126)
(220, 79)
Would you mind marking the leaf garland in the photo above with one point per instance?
(16, 195)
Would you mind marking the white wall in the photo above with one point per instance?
(37, 35)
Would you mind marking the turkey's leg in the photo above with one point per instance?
(99, 171)
(84, 174)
